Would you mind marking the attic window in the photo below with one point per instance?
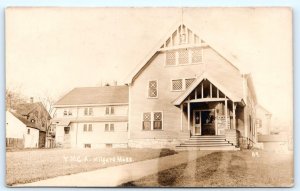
(171, 58)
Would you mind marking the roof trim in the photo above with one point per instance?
(203, 76)
(156, 49)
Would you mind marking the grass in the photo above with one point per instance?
(33, 165)
(226, 169)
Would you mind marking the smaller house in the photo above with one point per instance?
(263, 120)
(92, 117)
(26, 125)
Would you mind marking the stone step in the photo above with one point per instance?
(206, 138)
(215, 148)
(205, 144)
(206, 141)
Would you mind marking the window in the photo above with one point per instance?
(171, 58)
(157, 125)
(109, 110)
(90, 127)
(70, 112)
(88, 111)
(87, 127)
(181, 84)
(177, 85)
(147, 121)
(65, 112)
(188, 82)
(28, 131)
(112, 127)
(152, 89)
(109, 127)
(196, 55)
(152, 121)
(183, 56)
(87, 146)
(112, 110)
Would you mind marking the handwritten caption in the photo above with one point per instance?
(99, 159)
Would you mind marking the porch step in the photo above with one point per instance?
(213, 142)
(228, 148)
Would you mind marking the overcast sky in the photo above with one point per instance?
(52, 50)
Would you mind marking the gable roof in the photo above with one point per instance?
(229, 91)
(232, 60)
(24, 120)
(26, 108)
(95, 95)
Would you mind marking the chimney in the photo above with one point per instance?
(31, 99)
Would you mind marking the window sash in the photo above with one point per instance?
(90, 111)
(90, 127)
(107, 110)
(177, 85)
(112, 110)
(154, 122)
(152, 89)
(85, 111)
(112, 127)
(106, 127)
(85, 127)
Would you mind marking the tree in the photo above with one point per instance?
(13, 98)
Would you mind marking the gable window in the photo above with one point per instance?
(147, 121)
(177, 85)
(183, 56)
(109, 127)
(152, 121)
(171, 58)
(88, 111)
(152, 89)
(196, 55)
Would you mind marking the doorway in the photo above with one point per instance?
(204, 122)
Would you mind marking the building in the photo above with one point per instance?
(184, 90)
(263, 120)
(187, 88)
(26, 125)
(92, 117)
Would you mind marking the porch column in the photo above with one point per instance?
(233, 111)
(181, 117)
(226, 121)
(189, 114)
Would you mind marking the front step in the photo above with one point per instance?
(213, 142)
(228, 148)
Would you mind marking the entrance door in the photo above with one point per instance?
(208, 122)
(197, 122)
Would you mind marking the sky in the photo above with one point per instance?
(49, 51)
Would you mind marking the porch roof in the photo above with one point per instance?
(228, 91)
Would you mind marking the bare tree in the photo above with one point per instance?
(13, 98)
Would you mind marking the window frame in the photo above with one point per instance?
(152, 120)
(190, 56)
(148, 88)
(110, 127)
(184, 87)
(88, 111)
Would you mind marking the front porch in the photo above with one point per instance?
(207, 111)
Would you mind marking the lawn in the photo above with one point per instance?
(33, 165)
(226, 169)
